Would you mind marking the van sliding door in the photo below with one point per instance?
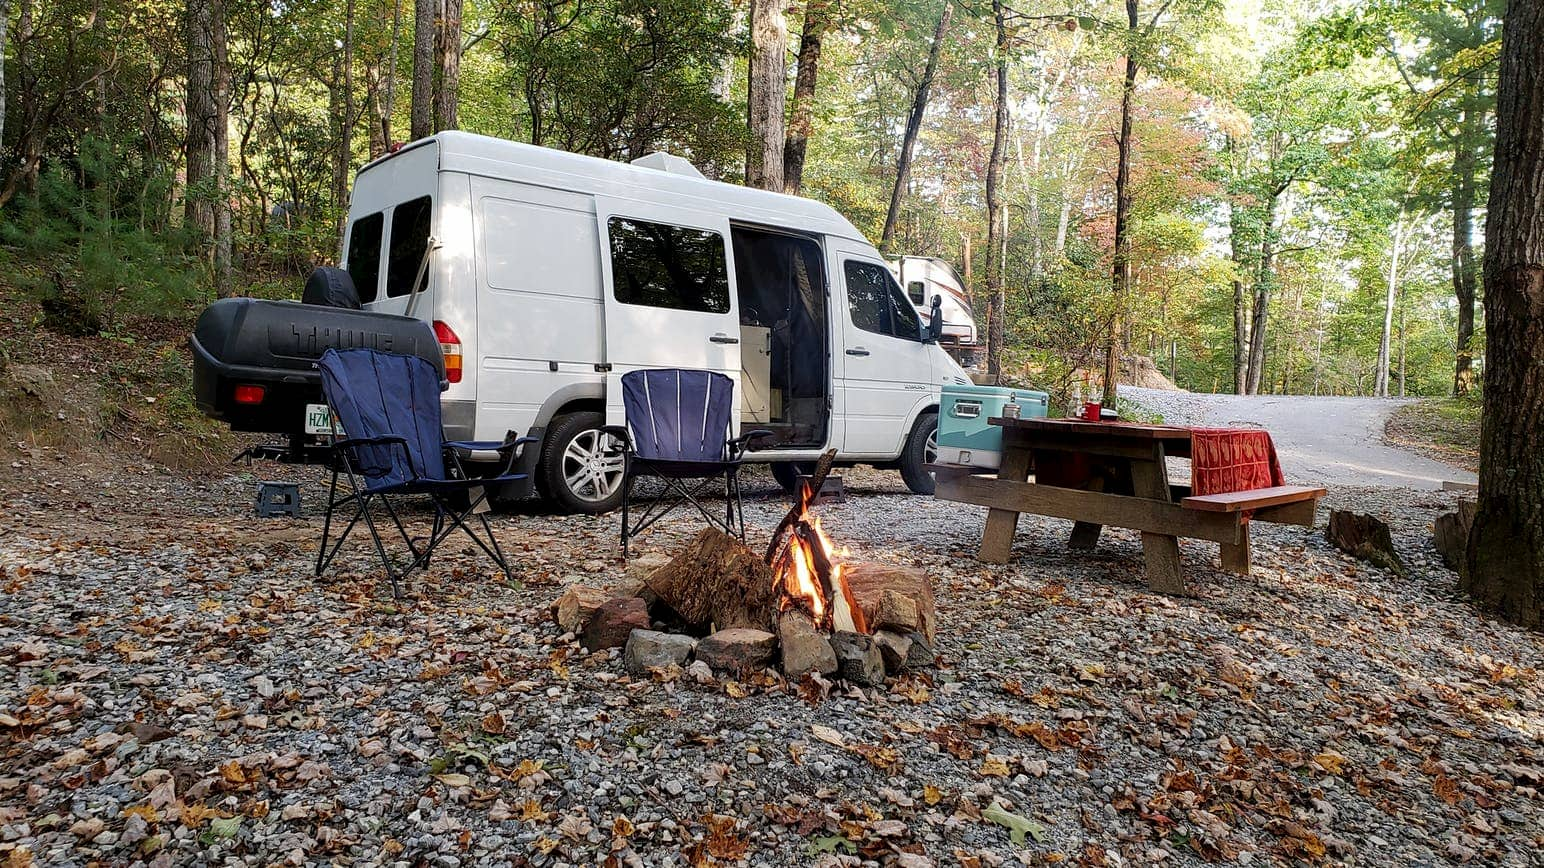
(668, 294)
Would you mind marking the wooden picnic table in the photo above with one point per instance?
(1126, 484)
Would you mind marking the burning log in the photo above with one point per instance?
(715, 581)
(801, 556)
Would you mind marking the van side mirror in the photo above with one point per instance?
(935, 321)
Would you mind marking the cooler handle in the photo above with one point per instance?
(966, 409)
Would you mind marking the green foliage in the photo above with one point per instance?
(104, 260)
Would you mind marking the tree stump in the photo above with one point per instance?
(715, 581)
(1365, 538)
(1451, 535)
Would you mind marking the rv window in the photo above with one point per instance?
(364, 256)
(659, 265)
(916, 290)
(409, 240)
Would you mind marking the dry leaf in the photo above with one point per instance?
(993, 767)
(828, 735)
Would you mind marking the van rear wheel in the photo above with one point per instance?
(787, 473)
(921, 450)
(582, 468)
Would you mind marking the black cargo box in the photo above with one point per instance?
(275, 345)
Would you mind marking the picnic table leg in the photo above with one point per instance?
(1150, 479)
(1085, 535)
(1235, 556)
(997, 539)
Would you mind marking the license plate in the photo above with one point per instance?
(321, 420)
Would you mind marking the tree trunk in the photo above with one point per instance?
(766, 95)
(1121, 269)
(423, 68)
(1463, 263)
(207, 202)
(997, 310)
(389, 102)
(1262, 295)
(1506, 546)
(1240, 300)
(1381, 385)
(817, 18)
(447, 51)
(913, 127)
(5, 21)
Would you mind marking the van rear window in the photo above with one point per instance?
(660, 265)
(364, 256)
(409, 240)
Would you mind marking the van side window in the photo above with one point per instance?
(868, 296)
(660, 265)
(364, 256)
(877, 304)
(916, 290)
(409, 240)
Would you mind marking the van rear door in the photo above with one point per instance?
(668, 291)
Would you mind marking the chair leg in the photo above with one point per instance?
(627, 496)
(332, 500)
(380, 548)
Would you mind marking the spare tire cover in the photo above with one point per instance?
(331, 287)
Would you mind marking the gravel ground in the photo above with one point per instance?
(1321, 440)
(179, 689)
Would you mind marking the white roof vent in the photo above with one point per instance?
(668, 163)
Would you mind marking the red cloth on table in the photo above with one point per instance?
(1224, 460)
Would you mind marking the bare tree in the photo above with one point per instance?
(996, 292)
(1505, 558)
(207, 149)
(447, 52)
(424, 14)
(766, 95)
(913, 127)
(817, 19)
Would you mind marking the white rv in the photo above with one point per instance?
(548, 275)
(925, 278)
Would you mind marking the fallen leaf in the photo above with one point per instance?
(993, 767)
(1016, 824)
(828, 735)
(454, 780)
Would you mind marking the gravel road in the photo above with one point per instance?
(1330, 441)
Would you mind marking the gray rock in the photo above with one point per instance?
(737, 649)
(649, 649)
(858, 658)
(804, 650)
(894, 648)
(921, 653)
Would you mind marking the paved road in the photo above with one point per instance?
(1334, 441)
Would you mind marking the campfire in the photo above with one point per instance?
(807, 570)
(803, 604)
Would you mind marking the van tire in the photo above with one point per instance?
(787, 473)
(915, 457)
(583, 426)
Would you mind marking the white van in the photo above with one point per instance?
(547, 275)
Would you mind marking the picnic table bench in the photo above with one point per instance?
(1127, 486)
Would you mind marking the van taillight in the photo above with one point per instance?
(450, 348)
(249, 394)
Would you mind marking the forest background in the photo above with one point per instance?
(1260, 196)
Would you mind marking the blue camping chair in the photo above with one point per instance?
(389, 407)
(678, 432)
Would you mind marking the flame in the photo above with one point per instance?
(797, 578)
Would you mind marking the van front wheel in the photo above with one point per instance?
(921, 450)
(582, 467)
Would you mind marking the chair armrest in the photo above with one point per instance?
(343, 448)
(739, 445)
(355, 442)
(508, 448)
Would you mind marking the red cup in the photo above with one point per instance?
(1091, 411)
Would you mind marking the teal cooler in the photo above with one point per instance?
(965, 438)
